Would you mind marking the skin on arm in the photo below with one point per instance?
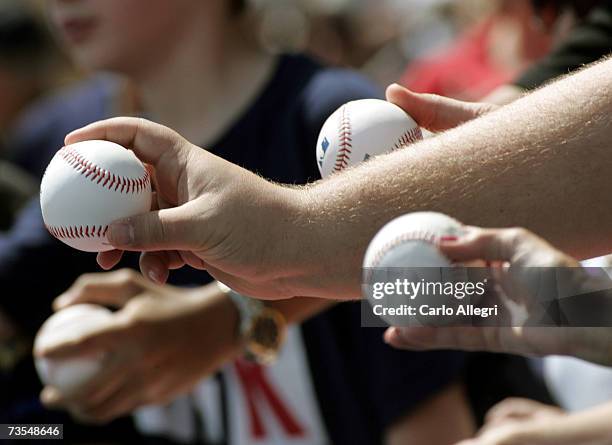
(423, 424)
(540, 162)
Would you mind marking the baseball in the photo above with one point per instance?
(63, 326)
(406, 248)
(360, 130)
(87, 186)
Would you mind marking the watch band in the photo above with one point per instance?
(248, 308)
(255, 320)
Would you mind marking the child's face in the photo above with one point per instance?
(121, 35)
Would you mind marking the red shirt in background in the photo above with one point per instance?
(465, 70)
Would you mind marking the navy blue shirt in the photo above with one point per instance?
(362, 385)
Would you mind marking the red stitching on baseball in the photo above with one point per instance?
(346, 140)
(96, 174)
(77, 232)
(410, 136)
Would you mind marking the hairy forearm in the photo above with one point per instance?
(541, 162)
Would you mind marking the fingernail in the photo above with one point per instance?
(448, 238)
(62, 300)
(49, 397)
(121, 234)
(155, 276)
(389, 335)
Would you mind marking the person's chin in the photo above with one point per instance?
(92, 59)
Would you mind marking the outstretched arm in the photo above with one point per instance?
(540, 162)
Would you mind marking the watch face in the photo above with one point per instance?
(265, 335)
(265, 332)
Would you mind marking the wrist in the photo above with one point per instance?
(329, 241)
(293, 238)
(261, 329)
(224, 321)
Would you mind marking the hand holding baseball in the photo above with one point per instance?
(148, 343)
(523, 250)
(204, 212)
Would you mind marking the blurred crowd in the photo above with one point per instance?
(51, 83)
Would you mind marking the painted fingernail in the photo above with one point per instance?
(449, 238)
(390, 335)
(121, 234)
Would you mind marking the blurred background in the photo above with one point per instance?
(465, 49)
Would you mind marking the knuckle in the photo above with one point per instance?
(485, 108)
(83, 281)
(126, 276)
(134, 321)
(515, 235)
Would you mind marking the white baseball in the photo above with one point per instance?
(87, 186)
(68, 375)
(407, 247)
(411, 241)
(360, 130)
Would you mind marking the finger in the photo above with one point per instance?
(491, 339)
(415, 339)
(166, 229)
(111, 288)
(156, 265)
(192, 260)
(87, 397)
(481, 244)
(52, 398)
(148, 140)
(500, 245)
(103, 340)
(435, 113)
(101, 388)
(513, 408)
(123, 400)
(427, 337)
(108, 260)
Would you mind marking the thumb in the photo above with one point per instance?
(166, 229)
(436, 113)
(99, 340)
(111, 289)
(483, 244)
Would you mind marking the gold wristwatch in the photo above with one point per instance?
(261, 328)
